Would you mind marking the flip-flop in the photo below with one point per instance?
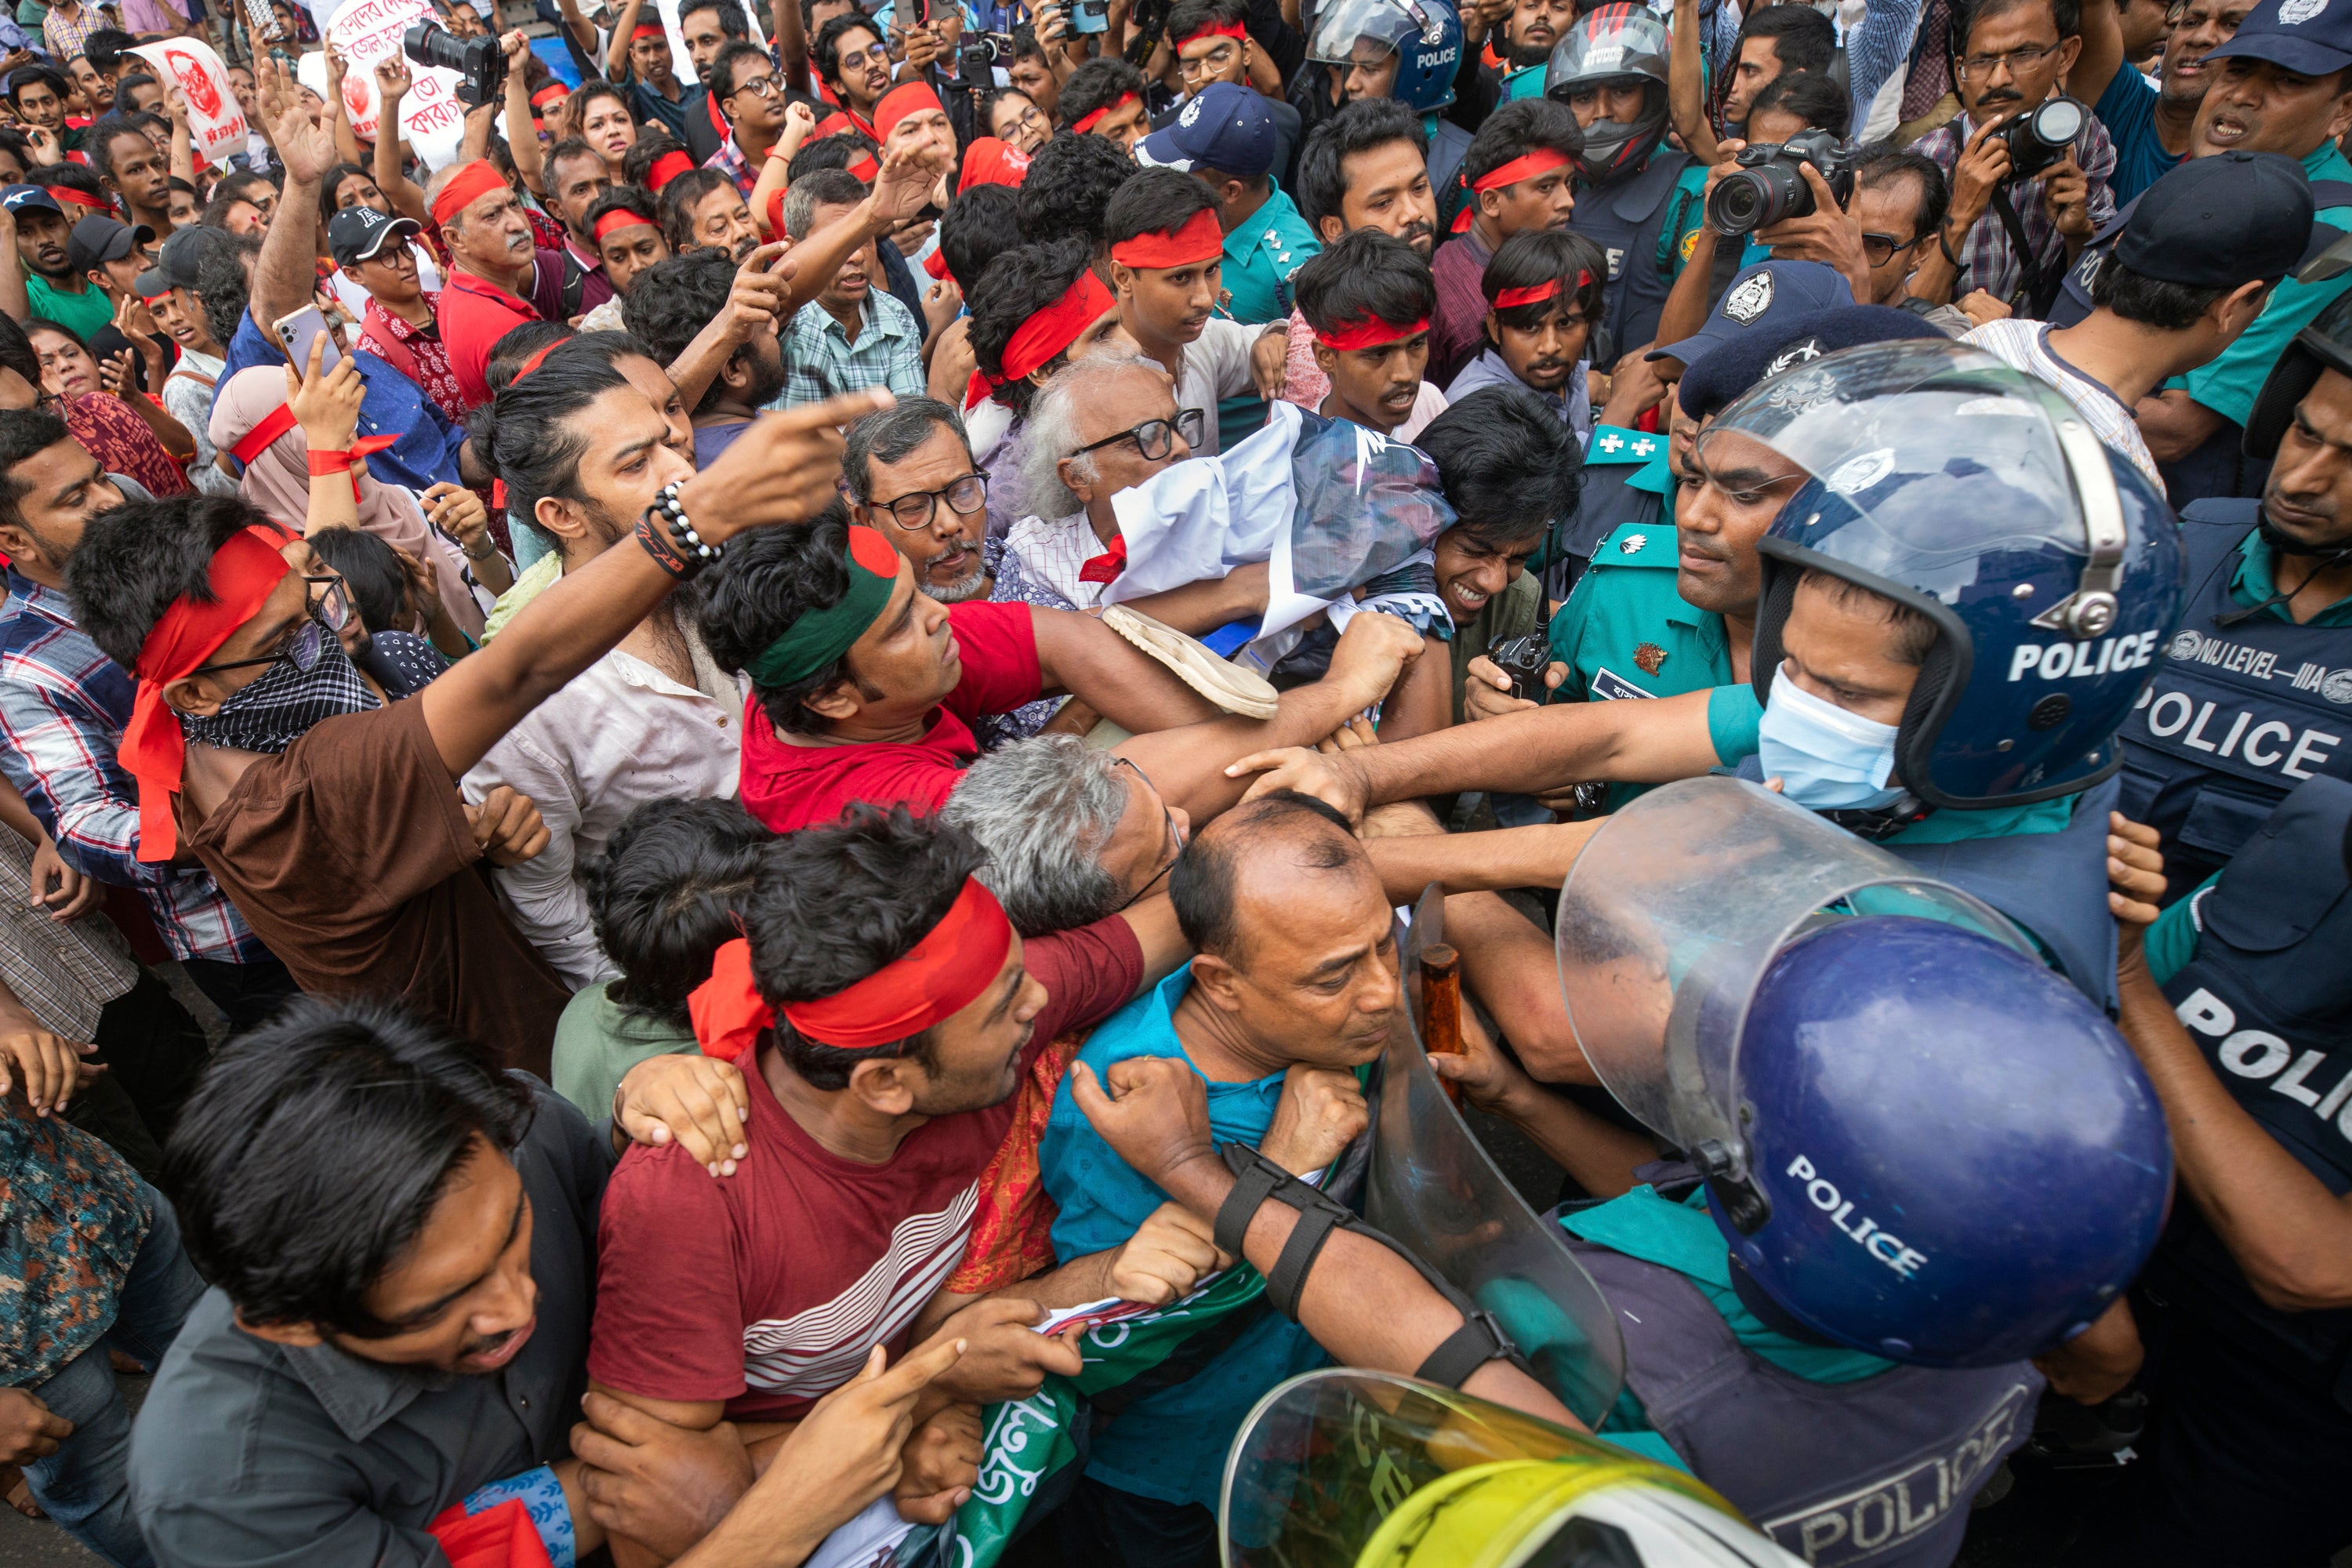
(1229, 686)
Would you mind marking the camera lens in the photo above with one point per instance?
(2058, 122)
(1758, 198)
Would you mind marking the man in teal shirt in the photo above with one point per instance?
(2282, 87)
(1296, 979)
(1224, 136)
(38, 259)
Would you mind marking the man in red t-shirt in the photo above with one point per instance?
(885, 1013)
(864, 689)
(495, 271)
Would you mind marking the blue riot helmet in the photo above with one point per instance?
(2050, 569)
(1916, 1141)
(2325, 346)
(1425, 36)
(1617, 42)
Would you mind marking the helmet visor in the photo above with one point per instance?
(1941, 457)
(1365, 30)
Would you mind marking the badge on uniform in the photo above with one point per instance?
(1649, 656)
(1631, 543)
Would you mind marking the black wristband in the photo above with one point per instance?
(656, 542)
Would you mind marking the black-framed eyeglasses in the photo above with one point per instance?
(1151, 437)
(913, 510)
(1977, 68)
(1878, 250)
(330, 610)
(1174, 838)
(769, 85)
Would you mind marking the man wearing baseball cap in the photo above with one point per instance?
(400, 325)
(2282, 84)
(37, 278)
(1224, 136)
(2189, 274)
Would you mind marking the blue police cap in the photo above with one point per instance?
(2311, 37)
(1759, 298)
(1730, 368)
(1225, 127)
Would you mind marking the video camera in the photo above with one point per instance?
(2040, 137)
(480, 63)
(1770, 185)
(977, 57)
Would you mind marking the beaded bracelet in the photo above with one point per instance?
(656, 542)
(681, 530)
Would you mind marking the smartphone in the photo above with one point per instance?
(294, 335)
(1090, 16)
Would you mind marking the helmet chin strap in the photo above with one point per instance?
(2322, 559)
(1875, 823)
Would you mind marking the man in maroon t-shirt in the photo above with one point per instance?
(864, 689)
(885, 1012)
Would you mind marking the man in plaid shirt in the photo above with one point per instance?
(2014, 58)
(63, 706)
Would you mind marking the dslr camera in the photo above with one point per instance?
(480, 63)
(2040, 137)
(1770, 183)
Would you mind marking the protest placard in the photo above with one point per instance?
(215, 124)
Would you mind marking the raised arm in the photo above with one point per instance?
(13, 299)
(287, 270)
(1686, 83)
(347, 140)
(2102, 53)
(528, 159)
(617, 50)
(787, 473)
(792, 44)
(392, 83)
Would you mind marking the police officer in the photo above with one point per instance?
(1409, 51)
(1828, 1307)
(2239, 1001)
(2254, 695)
(1224, 136)
(1949, 690)
(1610, 69)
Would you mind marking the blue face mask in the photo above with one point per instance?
(1826, 758)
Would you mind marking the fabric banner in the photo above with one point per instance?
(215, 122)
(363, 32)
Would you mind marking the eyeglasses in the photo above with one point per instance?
(768, 86)
(1217, 59)
(1878, 250)
(1173, 838)
(915, 510)
(855, 59)
(330, 611)
(1151, 437)
(1977, 68)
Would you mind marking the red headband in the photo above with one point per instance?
(1536, 294)
(619, 218)
(910, 97)
(1370, 332)
(865, 169)
(468, 184)
(1542, 161)
(1089, 122)
(532, 363)
(244, 573)
(1214, 30)
(989, 161)
(647, 30)
(936, 979)
(1200, 238)
(1036, 341)
(553, 92)
(80, 198)
(668, 167)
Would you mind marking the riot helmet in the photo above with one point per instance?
(1916, 1140)
(1425, 36)
(1976, 496)
(1615, 43)
(2325, 346)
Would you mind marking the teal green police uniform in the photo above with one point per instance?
(1626, 480)
(1261, 253)
(1686, 212)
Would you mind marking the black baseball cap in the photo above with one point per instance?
(356, 234)
(176, 263)
(96, 240)
(2219, 222)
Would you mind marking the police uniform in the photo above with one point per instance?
(1261, 253)
(1447, 143)
(2251, 1437)
(2239, 713)
(1625, 218)
(1626, 480)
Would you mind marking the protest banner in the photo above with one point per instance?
(215, 124)
(363, 32)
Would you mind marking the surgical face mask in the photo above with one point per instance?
(313, 680)
(1826, 758)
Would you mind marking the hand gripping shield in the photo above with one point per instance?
(1668, 920)
(1342, 1468)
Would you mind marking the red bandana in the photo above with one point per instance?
(668, 167)
(989, 161)
(1542, 161)
(553, 92)
(912, 98)
(934, 980)
(839, 120)
(1036, 341)
(80, 198)
(470, 185)
(244, 573)
(1201, 238)
(647, 30)
(620, 218)
(1106, 568)
(1536, 293)
(1089, 122)
(936, 264)
(258, 440)
(1214, 30)
(1370, 332)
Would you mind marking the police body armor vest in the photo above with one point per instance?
(2268, 999)
(2236, 715)
(1887, 1464)
(1623, 219)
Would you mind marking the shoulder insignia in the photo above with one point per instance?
(1632, 543)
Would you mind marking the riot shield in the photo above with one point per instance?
(1434, 1190)
(1342, 1468)
(1670, 915)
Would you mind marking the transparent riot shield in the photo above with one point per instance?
(1669, 917)
(1342, 1468)
(1434, 1190)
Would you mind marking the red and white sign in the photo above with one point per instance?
(363, 32)
(215, 122)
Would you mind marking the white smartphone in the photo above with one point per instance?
(294, 335)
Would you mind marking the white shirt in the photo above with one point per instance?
(190, 401)
(620, 735)
(2025, 345)
(1214, 366)
(1053, 553)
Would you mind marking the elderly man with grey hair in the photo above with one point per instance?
(1073, 833)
